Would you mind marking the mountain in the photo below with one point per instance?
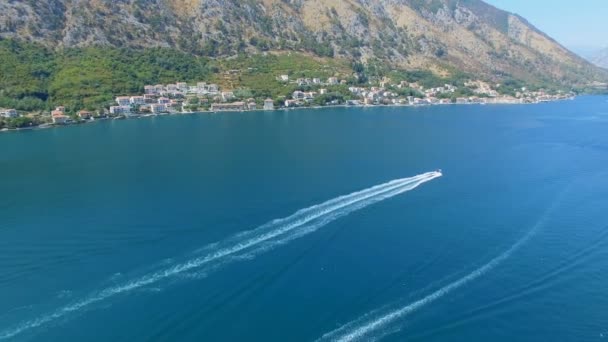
(445, 37)
(600, 58)
(429, 34)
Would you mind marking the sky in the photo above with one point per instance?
(577, 24)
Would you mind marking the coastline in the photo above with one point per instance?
(284, 109)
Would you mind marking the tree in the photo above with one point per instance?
(20, 122)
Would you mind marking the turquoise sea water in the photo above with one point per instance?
(310, 225)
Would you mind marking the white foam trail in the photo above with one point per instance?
(363, 327)
(253, 242)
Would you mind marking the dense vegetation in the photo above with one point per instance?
(35, 78)
(20, 122)
(25, 74)
(257, 73)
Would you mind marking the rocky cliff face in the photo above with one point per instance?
(437, 35)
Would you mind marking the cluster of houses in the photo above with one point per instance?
(388, 93)
(175, 98)
(125, 105)
(181, 88)
(161, 98)
(310, 81)
(374, 95)
(59, 116)
(179, 97)
(151, 103)
(380, 95)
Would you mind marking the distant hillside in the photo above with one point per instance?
(99, 47)
(600, 58)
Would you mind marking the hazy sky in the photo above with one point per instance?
(574, 23)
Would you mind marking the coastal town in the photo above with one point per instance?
(202, 97)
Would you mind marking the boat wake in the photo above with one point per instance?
(370, 325)
(243, 246)
(536, 286)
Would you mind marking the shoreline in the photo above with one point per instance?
(284, 109)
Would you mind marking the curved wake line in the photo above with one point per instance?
(363, 326)
(534, 287)
(261, 239)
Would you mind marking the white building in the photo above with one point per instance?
(298, 95)
(137, 100)
(60, 119)
(332, 80)
(164, 101)
(120, 110)
(84, 115)
(204, 88)
(268, 104)
(309, 95)
(149, 90)
(149, 98)
(8, 113)
(303, 81)
(158, 108)
(292, 103)
(182, 86)
(123, 101)
(235, 106)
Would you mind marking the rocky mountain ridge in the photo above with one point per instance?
(437, 35)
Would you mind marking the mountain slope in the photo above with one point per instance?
(437, 35)
(600, 58)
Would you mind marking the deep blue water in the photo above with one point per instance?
(107, 230)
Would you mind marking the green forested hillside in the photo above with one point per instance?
(36, 78)
(33, 77)
(25, 74)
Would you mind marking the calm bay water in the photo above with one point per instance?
(204, 227)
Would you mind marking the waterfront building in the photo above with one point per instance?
(235, 106)
(157, 108)
(120, 110)
(268, 104)
(84, 115)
